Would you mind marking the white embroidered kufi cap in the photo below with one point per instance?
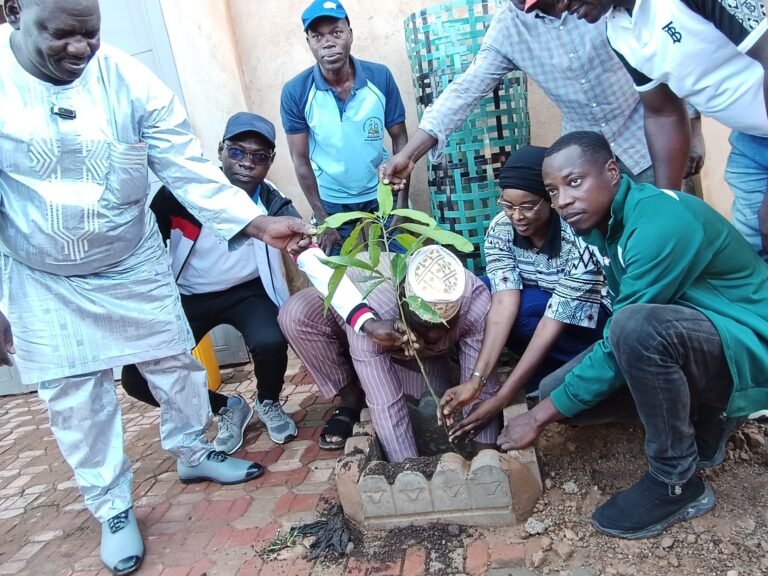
(437, 277)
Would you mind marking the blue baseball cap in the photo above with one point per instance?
(248, 122)
(320, 8)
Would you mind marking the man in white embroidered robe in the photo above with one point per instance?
(84, 278)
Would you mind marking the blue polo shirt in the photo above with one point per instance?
(346, 138)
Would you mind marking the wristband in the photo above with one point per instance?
(482, 378)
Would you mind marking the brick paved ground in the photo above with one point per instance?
(188, 530)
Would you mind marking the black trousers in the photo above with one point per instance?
(248, 308)
(678, 383)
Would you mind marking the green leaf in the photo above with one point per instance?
(371, 287)
(336, 220)
(351, 242)
(371, 278)
(416, 215)
(399, 268)
(406, 240)
(385, 200)
(333, 284)
(344, 262)
(374, 245)
(441, 236)
(332, 263)
(419, 306)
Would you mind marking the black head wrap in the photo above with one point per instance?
(522, 171)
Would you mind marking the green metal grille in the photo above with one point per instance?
(441, 42)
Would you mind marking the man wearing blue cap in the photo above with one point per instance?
(243, 288)
(335, 114)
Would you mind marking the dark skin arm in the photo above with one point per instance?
(396, 170)
(399, 135)
(668, 132)
(6, 342)
(698, 148)
(545, 336)
(498, 323)
(390, 335)
(282, 232)
(523, 430)
(298, 146)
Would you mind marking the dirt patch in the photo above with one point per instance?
(431, 437)
(582, 467)
(425, 465)
(438, 541)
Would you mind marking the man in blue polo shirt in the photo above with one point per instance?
(335, 114)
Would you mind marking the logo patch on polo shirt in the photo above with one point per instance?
(373, 129)
(673, 33)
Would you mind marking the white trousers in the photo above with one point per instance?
(87, 424)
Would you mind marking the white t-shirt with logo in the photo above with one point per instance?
(212, 267)
(697, 48)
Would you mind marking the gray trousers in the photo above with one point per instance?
(87, 424)
(678, 383)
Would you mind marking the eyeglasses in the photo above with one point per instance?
(257, 158)
(526, 209)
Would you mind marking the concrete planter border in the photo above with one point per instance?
(492, 489)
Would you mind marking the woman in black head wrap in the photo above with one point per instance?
(525, 201)
(548, 298)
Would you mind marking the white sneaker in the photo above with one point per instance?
(280, 427)
(232, 422)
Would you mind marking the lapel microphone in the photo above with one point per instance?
(65, 113)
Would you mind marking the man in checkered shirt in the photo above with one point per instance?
(576, 67)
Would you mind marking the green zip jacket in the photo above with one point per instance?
(666, 247)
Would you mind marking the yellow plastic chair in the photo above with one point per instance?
(206, 355)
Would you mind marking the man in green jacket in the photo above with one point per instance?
(688, 338)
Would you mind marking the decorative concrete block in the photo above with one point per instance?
(377, 496)
(363, 429)
(411, 493)
(349, 468)
(362, 444)
(526, 457)
(450, 490)
(488, 484)
(494, 489)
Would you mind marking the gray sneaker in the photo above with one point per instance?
(232, 422)
(121, 546)
(280, 427)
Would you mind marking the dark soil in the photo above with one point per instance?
(425, 465)
(431, 436)
(582, 467)
(383, 545)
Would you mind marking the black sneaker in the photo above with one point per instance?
(712, 440)
(649, 506)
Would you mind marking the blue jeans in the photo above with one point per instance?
(346, 229)
(678, 383)
(747, 175)
(571, 343)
